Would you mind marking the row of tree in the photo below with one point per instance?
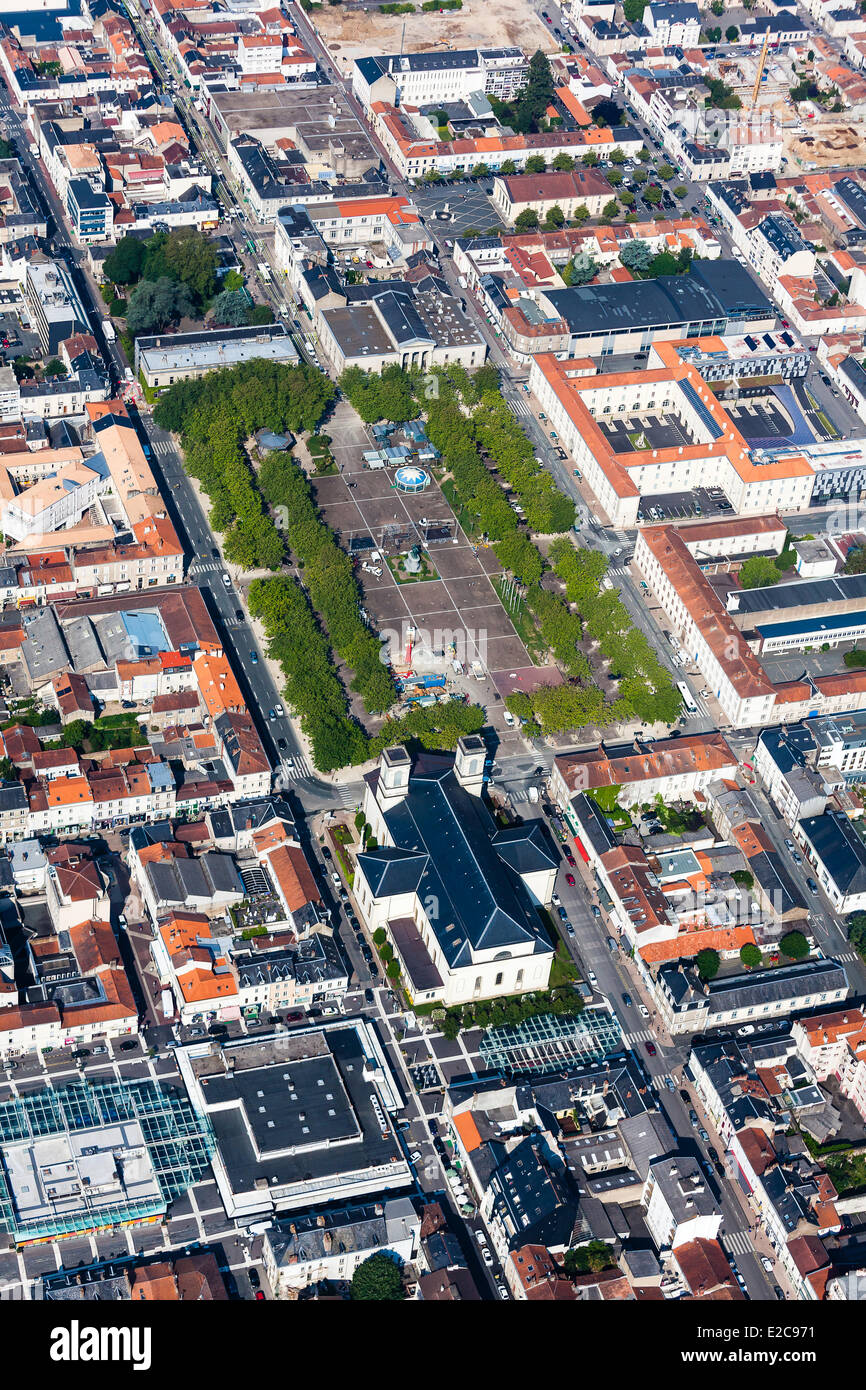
(328, 578)
(313, 690)
(645, 687)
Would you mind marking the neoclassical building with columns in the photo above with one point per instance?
(457, 896)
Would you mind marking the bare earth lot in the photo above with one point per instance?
(353, 34)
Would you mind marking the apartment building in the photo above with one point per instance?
(422, 79)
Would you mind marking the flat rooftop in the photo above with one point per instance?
(81, 1171)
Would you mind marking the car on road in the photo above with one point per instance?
(703, 1133)
(503, 1291)
(279, 711)
(670, 1083)
(374, 970)
(556, 900)
(596, 912)
(487, 1256)
(693, 1119)
(767, 1263)
(797, 857)
(254, 658)
(281, 743)
(651, 1048)
(272, 714)
(812, 886)
(569, 857)
(592, 977)
(239, 615)
(253, 1276)
(481, 1238)
(569, 878)
(789, 844)
(227, 581)
(569, 928)
(563, 915)
(81, 1052)
(627, 1000)
(260, 1298)
(643, 1010)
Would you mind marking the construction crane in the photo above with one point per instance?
(761, 63)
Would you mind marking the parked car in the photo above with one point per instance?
(596, 912)
(767, 1263)
(643, 1010)
(487, 1256)
(703, 1133)
(563, 915)
(260, 1298)
(569, 878)
(592, 977)
(569, 857)
(670, 1083)
(128, 1046)
(812, 886)
(253, 1276)
(693, 1119)
(481, 1238)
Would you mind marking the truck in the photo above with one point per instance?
(478, 670)
(533, 795)
(108, 330)
(167, 1003)
(462, 281)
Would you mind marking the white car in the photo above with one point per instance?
(767, 1263)
(556, 900)
(416, 1156)
(279, 711)
(746, 1029)
(335, 879)
(643, 1010)
(592, 977)
(487, 1255)
(481, 1238)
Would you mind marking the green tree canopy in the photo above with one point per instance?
(535, 164)
(378, 1280)
(637, 255)
(708, 962)
(563, 163)
(231, 308)
(536, 95)
(125, 264)
(156, 304)
(555, 218)
(526, 220)
(758, 572)
(750, 955)
(794, 945)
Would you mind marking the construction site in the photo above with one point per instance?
(352, 34)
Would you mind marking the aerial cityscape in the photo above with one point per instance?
(432, 653)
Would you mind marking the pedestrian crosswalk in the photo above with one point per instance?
(295, 770)
(205, 566)
(846, 957)
(618, 570)
(642, 1035)
(349, 794)
(163, 447)
(738, 1243)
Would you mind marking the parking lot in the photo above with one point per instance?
(701, 503)
(467, 206)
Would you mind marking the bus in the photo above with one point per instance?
(688, 698)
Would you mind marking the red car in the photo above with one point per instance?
(260, 1298)
(651, 1048)
(569, 878)
(569, 857)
